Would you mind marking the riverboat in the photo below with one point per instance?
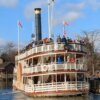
(50, 67)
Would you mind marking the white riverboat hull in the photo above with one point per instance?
(57, 93)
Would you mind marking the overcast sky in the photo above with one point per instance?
(80, 15)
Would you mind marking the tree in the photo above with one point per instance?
(92, 40)
(8, 52)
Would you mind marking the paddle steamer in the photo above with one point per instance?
(50, 67)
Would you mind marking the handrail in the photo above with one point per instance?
(56, 86)
(53, 67)
(47, 48)
(42, 48)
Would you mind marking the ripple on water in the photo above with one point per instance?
(8, 95)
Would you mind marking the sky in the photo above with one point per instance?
(81, 15)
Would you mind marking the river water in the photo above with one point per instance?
(9, 95)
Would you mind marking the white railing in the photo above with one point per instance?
(6, 75)
(46, 87)
(49, 47)
(77, 47)
(43, 48)
(54, 67)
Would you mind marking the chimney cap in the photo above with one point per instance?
(38, 9)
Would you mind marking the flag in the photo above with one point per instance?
(19, 24)
(64, 34)
(65, 23)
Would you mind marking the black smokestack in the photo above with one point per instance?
(38, 23)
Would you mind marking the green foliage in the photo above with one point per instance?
(8, 52)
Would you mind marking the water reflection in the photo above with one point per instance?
(23, 97)
(7, 95)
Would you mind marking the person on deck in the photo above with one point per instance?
(64, 39)
(58, 39)
(59, 60)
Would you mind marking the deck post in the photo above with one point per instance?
(52, 79)
(42, 83)
(76, 80)
(65, 79)
(75, 62)
(56, 81)
(64, 62)
(42, 71)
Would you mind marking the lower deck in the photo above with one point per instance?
(56, 89)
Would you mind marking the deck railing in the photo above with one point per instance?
(54, 67)
(6, 75)
(43, 48)
(46, 87)
(48, 48)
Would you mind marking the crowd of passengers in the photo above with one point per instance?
(50, 40)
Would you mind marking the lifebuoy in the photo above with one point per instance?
(72, 60)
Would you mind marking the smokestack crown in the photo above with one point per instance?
(37, 10)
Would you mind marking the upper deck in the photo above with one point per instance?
(73, 46)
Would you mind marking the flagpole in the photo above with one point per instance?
(18, 40)
(64, 29)
(52, 16)
(49, 21)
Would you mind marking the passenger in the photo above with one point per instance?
(68, 39)
(40, 42)
(35, 43)
(50, 40)
(45, 40)
(30, 46)
(77, 61)
(58, 39)
(68, 59)
(59, 60)
(64, 39)
(65, 47)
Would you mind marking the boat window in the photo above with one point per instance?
(36, 79)
(27, 62)
(45, 60)
(67, 77)
(67, 58)
(52, 59)
(39, 61)
(24, 80)
(35, 61)
(80, 77)
(30, 62)
(70, 58)
(72, 77)
(60, 78)
(48, 59)
(60, 59)
(49, 79)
